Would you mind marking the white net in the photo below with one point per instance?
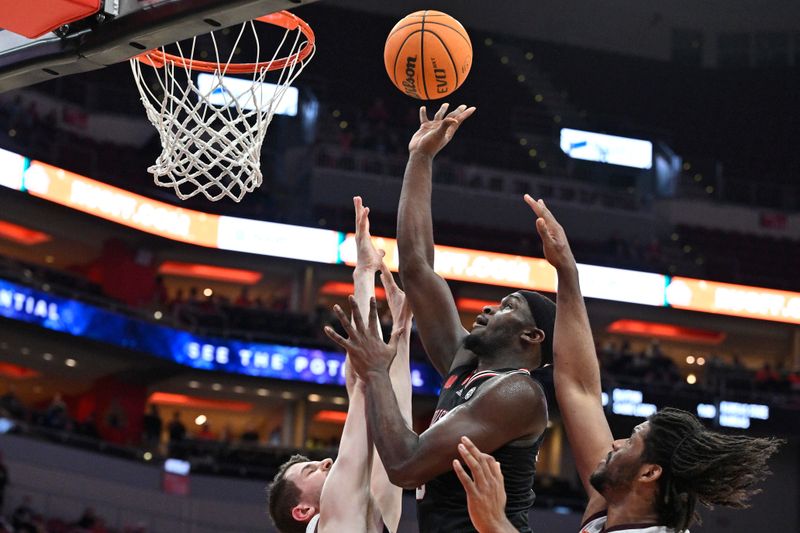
(212, 125)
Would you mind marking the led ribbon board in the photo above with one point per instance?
(326, 246)
(274, 361)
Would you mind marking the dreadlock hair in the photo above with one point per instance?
(283, 496)
(702, 465)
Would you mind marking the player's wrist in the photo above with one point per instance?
(421, 154)
(364, 271)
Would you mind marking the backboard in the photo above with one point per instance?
(119, 31)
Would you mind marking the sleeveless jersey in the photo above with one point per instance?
(597, 524)
(442, 502)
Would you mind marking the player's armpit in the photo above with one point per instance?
(438, 322)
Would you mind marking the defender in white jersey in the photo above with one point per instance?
(353, 493)
(649, 482)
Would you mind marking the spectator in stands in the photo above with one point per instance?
(243, 300)
(55, 416)
(152, 426)
(250, 435)
(766, 378)
(88, 428)
(11, 405)
(176, 429)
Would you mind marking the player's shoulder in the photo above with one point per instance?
(512, 388)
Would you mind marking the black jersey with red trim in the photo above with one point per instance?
(442, 502)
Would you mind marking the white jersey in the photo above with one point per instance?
(597, 524)
(312, 524)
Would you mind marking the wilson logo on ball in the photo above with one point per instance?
(410, 83)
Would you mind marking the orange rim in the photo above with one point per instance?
(284, 19)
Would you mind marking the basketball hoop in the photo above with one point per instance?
(211, 132)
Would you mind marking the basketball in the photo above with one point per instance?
(428, 55)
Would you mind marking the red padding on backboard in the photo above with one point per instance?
(32, 21)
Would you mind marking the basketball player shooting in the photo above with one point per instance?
(488, 392)
(353, 493)
(649, 482)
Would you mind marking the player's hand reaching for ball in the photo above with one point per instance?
(433, 135)
(554, 240)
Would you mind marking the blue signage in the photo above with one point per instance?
(274, 361)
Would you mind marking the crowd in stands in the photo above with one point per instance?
(714, 375)
(26, 518)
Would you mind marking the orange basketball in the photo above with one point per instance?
(428, 55)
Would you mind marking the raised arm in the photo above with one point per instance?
(576, 370)
(346, 500)
(428, 294)
(387, 496)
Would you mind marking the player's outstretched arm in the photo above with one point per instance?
(430, 298)
(576, 370)
(387, 496)
(486, 493)
(346, 501)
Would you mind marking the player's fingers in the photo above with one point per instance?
(335, 337)
(345, 321)
(483, 459)
(455, 112)
(472, 462)
(423, 115)
(394, 340)
(387, 279)
(462, 476)
(358, 319)
(533, 204)
(465, 114)
(442, 110)
(446, 125)
(372, 323)
(497, 472)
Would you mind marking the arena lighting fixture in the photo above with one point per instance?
(208, 292)
(200, 420)
(238, 389)
(641, 328)
(47, 356)
(198, 270)
(331, 417)
(314, 398)
(691, 379)
(262, 392)
(183, 400)
(690, 360)
(216, 387)
(72, 363)
(22, 235)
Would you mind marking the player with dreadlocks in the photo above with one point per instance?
(651, 481)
